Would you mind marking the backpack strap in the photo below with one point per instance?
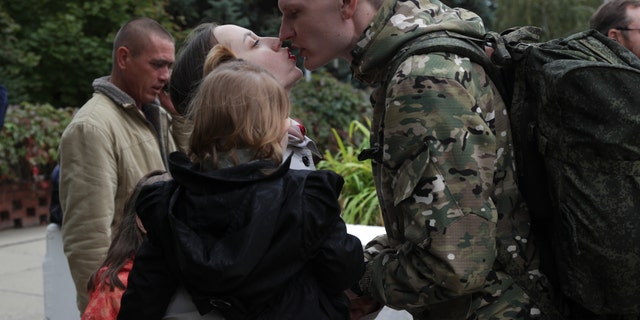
(442, 41)
(466, 46)
(510, 47)
(511, 44)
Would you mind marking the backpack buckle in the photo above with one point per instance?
(374, 153)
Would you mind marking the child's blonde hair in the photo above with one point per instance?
(238, 106)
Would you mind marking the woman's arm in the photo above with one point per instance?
(337, 261)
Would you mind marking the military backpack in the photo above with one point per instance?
(574, 106)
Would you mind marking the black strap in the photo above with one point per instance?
(432, 42)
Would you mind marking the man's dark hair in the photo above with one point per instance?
(611, 15)
(135, 35)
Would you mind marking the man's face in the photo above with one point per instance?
(630, 39)
(266, 52)
(319, 29)
(147, 72)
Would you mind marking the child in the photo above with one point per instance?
(245, 236)
(107, 284)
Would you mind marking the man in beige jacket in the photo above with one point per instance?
(118, 136)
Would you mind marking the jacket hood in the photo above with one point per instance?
(200, 189)
(152, 113)
(194, 178)
(114, 93)
(398, 22)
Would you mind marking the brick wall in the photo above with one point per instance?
(24, 204)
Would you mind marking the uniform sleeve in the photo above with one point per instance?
(437, 178)
(337, 261)
(88, 183)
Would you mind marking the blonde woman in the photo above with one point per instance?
(266, 52)
(242, 233)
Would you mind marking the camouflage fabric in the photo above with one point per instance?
(582, 106)
(457, 231)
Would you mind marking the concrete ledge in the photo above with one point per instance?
(365, 233)
(59, 290)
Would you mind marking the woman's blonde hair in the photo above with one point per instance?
(238, 105)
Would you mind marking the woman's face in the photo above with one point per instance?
(265, 52)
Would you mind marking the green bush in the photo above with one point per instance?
(29, 141)
(358, 197)
(51, 50)
(323, 103)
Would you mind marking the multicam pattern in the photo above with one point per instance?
(456, 227)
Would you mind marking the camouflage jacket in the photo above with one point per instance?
(457, 229)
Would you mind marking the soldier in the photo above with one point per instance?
(458, 242)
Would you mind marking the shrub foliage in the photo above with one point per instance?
(359, 199)
(29, 141)
(324, 102)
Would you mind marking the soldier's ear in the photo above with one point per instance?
(348, 8)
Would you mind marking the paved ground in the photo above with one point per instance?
(22, 253)
(21, 286)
